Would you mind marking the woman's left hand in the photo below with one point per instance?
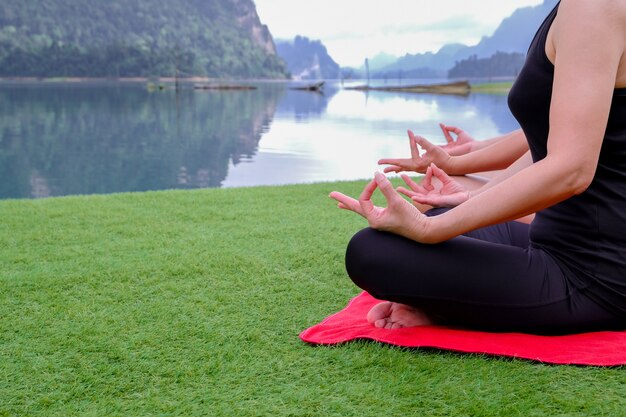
(399, 217)
(450, 194)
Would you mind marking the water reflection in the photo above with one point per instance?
(356, 129)
(60, 140)
(71, 139)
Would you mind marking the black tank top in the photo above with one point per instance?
(585, 234)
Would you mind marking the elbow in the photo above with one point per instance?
(572, 175)
(578, 180)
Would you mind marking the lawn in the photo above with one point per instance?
(184, 303)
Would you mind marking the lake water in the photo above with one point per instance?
(64, 139)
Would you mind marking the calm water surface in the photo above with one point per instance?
(63, 139)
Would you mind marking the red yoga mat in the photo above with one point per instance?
(598, 348)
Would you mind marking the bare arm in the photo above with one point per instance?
(451, 193)
(503, 152)
(523, 162)
(463, 143)
(480, 144)
(498, 154)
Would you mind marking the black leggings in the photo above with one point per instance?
(488, 279)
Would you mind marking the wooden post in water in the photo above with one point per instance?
(176, 83)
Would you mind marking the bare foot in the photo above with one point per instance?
(390, 315)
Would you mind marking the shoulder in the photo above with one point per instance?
(586, 33)
(593, 12)
(601, 23)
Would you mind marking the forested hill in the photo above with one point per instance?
(128, 38)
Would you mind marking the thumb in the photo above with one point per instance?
(386, 187)
(421, 141)
(439, 173)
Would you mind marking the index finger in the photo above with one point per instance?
(394, 161)
(394, 168)
(454, 129)
(346, 202)
(412, 184)
(444, 129)
(415, 153)
(365, 199)
(368, 191)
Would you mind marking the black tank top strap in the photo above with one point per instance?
(537, 48)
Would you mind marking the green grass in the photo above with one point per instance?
(493, 88)
(187, 303)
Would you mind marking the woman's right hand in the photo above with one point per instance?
(433, 154)
(399, 217)
(450, 194)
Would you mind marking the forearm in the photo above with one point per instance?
(480, 144)
(499, 154)
(523, 162)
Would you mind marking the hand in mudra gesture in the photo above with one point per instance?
(418, 163)
(450, 194)
(460, 145)
(399, 217)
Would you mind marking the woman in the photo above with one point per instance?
(472, 265)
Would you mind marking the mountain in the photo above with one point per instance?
(440, 60)
(307, 59)
(513, 35)
(515, 32)
(379, 61)
(500, 64)
(125, 38)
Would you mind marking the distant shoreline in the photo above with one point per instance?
(131, 80)
(491, 80)
(492, 86)
(501, 87)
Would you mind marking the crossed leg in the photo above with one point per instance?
(393, 315)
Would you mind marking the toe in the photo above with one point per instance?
(381, 324)
(379, 311)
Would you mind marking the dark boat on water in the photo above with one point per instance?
(224, 87)
(317, 87)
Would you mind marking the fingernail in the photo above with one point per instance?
(378, 176)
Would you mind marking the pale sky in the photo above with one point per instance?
(353, 30)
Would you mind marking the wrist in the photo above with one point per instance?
(449, 166)
(427, 230)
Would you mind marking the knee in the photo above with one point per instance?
(362, 258)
